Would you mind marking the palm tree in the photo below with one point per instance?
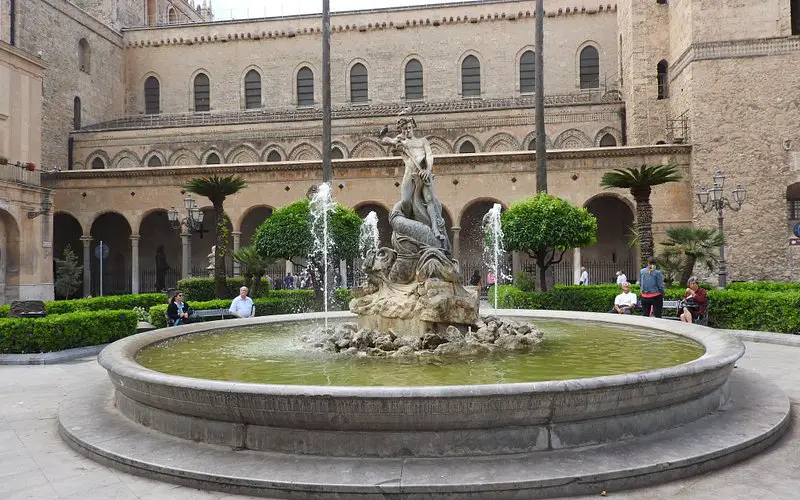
(216, 189)
(694, 245)
(640, 181)
(255, 266)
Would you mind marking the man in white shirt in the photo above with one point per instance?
(584, 280)
(621, 278)
(242, 305)
(626, 301)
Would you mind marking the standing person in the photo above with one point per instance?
(624, 302)
(695, 296)
(490, 280)
(621, 278)
(242, 305)
(288, 282)
(178, 311)
(475, 280)
(584, 280)
(651, 282)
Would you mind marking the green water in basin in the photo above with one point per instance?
(274, 354)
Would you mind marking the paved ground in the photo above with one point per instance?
(35, 464)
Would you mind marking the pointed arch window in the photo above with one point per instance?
(336, 154)
(273, 156)
(84, 55)
(662, 69)
(98, 164)
(213, 159)
(590, 68)
(154, 161)
(152, 96)
(202, 93)
(466, 147)
(305, 87)
(172, 15)
(527, 72)
(359, 83)
(413, 73)
(608, 141)
(252, 90)
(76, 113)
(470, 77)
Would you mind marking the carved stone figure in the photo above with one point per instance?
(414, 287)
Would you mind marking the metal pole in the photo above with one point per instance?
(541, 153)
(327, 170)
(723, 267)
(101, 268)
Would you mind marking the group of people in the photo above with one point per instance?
(651, 283)
(179, 312)
(305, 280)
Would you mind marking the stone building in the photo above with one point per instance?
(146, 93)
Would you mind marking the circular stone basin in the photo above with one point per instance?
(278, 354)
(424, 421)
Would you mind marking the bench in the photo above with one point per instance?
(208, 314)
(674, 305)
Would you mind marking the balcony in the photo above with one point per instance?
(20, 175)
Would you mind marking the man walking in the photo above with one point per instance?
(584, 280)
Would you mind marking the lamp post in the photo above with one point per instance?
(714, 199)
(193, 218)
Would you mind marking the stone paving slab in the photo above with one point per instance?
(756, 417)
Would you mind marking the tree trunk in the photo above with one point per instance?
(644, 223)
(220, 288)
(541, 275)
(688, 268)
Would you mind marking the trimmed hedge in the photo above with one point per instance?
(730, 309)
(293, 301)
(202, 289)
(107, 303)
(768, 286)
(65, 331)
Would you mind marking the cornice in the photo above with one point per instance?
(215, 29)
(451, 160)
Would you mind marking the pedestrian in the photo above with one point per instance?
(242, 305)
(621, 278)
(651, 282)
(584, 279)
(491, 278)
(288, 281)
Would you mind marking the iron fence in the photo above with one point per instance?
(599, 271)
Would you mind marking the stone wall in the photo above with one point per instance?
(20, 106)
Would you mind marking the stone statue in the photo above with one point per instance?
(414, 287)
(210, 268)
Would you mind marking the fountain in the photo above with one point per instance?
(493, 251)
(321, 206)
(479, 423)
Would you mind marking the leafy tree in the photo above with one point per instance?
(640, 182)
(286, 234)
(671, 264)
(693, 245)
(545, 227)
(68, 273)
(254, 267)
(216, 189)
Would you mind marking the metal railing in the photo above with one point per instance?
(20, 175)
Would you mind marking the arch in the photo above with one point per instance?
(155, 159)
(114, 230)
(76, 113)
(172, 15)
(10, 257)
(358, 82)
(368, 148)
(102, 156)
(84, 55)
(250, 220)
(615, 215)
(304, 86)
(201, 92)
(440, 146)
(273, 153)
(251, 88)
(471, 238)
(243, 154)
(502, 141)
(211, 157)
(342, 149)
(382, 211)
(526, 71)
(413, 79)
(572, 139)
(67, 232)
(605, 133)
(126, 159)
(152, 95)
(662, 74)
(529, 143)
(589, 66)
(183, 157)
(158, 237)
(470, 75)
(459, 144)
(305, 152)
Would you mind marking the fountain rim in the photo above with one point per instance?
(119, 358)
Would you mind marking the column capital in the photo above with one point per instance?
(86, 238)
(87, 241)
(185, 234)
(135, 237)
(455, 229)
(236, 233)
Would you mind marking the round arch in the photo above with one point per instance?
(577, 59)
(114, 230)
(471, 234)
(616, 134)
(347, 78)
(243, 86)
(382, 211)
(611, 253)
(314, 74)
(191, 83)
(481, 68)
(10, 244)
(67, 232)
(404, 71)
(517, 60)
(159, 252)
(98, 154)
(249, 221)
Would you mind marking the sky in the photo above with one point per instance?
(243, 9)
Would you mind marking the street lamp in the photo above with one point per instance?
(714, 199)
(193, 218)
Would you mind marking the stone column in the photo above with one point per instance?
(576, 265)
(343, 273)
(135, 263)
(87, 265)
(289, 267)
(456, 242)
(237, 235)
(186, 254)
(516, 264)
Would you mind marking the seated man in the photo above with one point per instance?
(624, 302)
(242, 306)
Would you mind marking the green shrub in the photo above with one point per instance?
(4, 310)
(525, 281)
(203, 288)
(65, 331)
(107, 303)
(767, 286)
(342, 298)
